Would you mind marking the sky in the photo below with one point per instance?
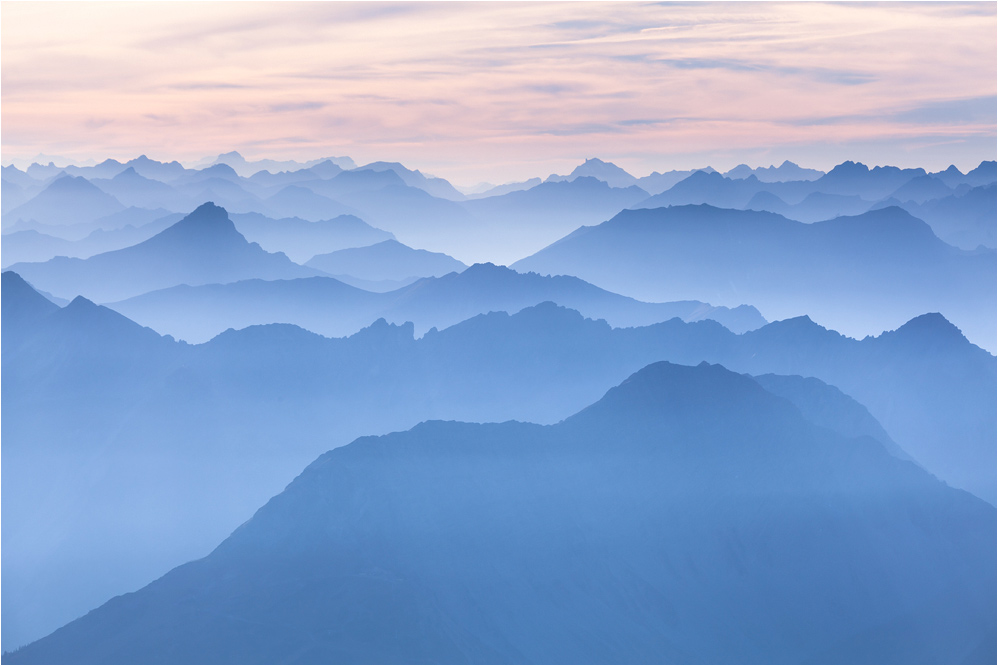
(504, 91)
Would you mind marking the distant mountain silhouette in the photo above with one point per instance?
(983, 174)
(850, 188)
(387, 260)
(12, 195)
(921, 189)
(656, 183)
(608, 172)
(815, 207)
(357, 180)
(131, 189)
(202, 248)
(282, 179)
(438, 187)
(328, 307)
(787, 171)
(33, 246)
(220, 184)
(855, 178)
(161, 171)
(14, 175)
(247, 168)
(414, 216)
(861, 274)
(512, 223)
(828, 407)
(687, 516)
(66, 200)
(301, 240)
(703, 187)
(965, 220)
(301, 202)
(506, 189)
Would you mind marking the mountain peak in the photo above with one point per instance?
(607, 172)
(680, 398)
(931, 327)
(220, 169)
(849, 168)
(206, 219)
(81, 304)
(382, 334)
(20, 299)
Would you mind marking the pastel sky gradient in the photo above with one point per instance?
(503, 91)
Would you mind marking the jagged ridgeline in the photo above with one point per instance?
(688, 417)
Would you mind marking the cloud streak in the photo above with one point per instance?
(657, 86)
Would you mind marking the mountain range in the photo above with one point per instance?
(687, 516)
(332, 308)
(860, 274)
(749, 491)
(301, 239)
(202, 248)
(387, 260)
(84, 480)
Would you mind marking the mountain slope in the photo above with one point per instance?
(301, 240)
(331, 308)
(514, 224)
(387, 260)
(688, 516)
(202, 248)
(66, 200)
(122, 488)
(860, 274)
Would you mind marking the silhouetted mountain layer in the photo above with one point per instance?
(788, 171)
(154, 458)
(849, 189)
(513, 223)
(33, 246)
(608, 172)
(301, 240)
(815, 207)
(387, 260)
(438, 187)
(861, 274)
(331, 308)
(132, 189)
(301, 202)
(66, 200)
(202, 248)
(248, 168)
(687, 516)
(965, 220)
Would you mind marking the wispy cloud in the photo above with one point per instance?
(496, 83)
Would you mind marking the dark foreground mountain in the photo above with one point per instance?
(329, 307)
(204, 247)
(689, 516)
(860, 274)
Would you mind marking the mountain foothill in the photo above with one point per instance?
(262, 411)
